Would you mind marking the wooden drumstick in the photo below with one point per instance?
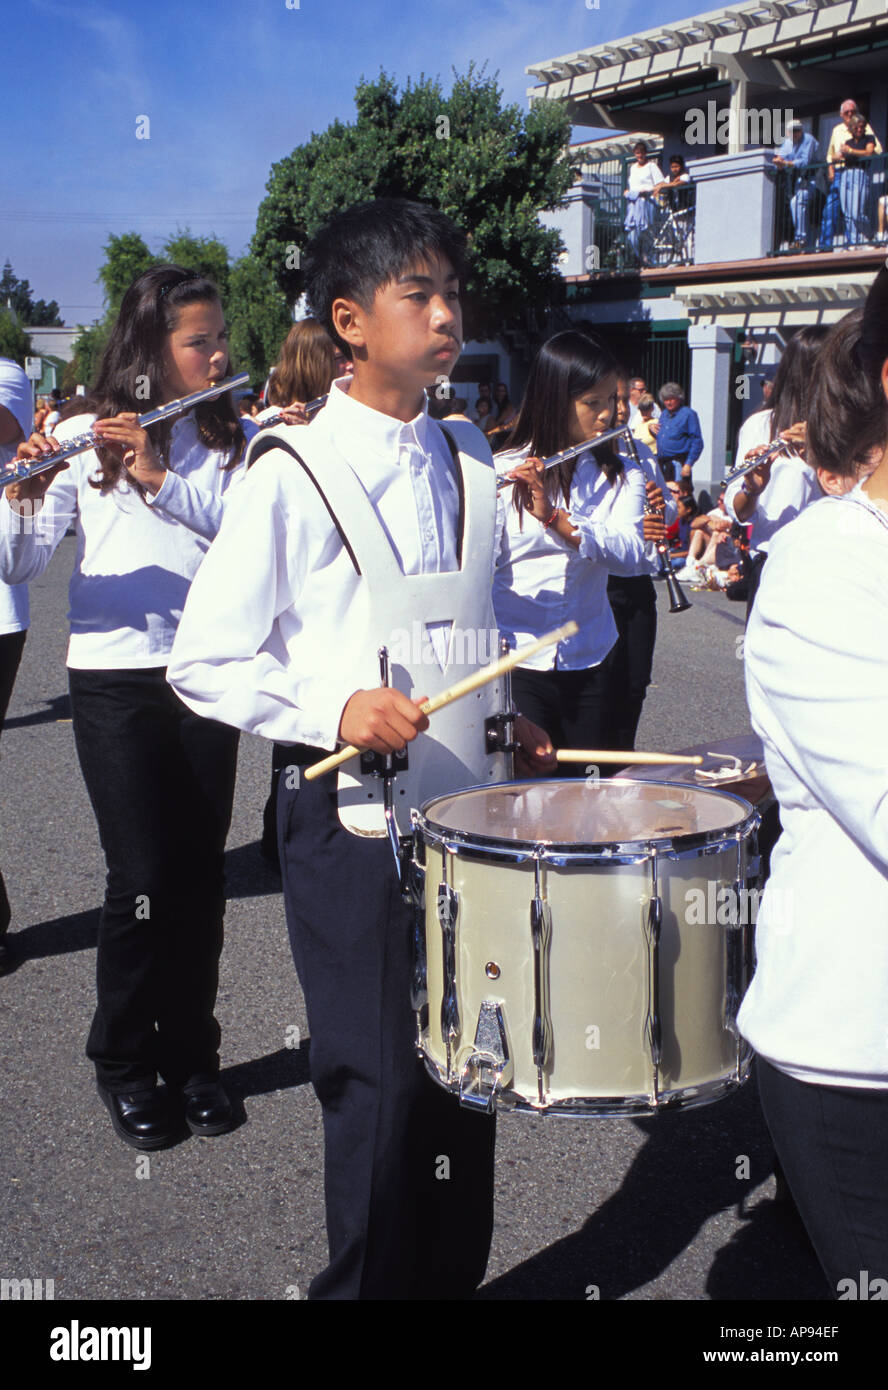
(455, 692)
(607, 755)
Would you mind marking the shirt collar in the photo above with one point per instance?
(383, 432)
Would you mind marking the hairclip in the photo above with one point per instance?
(174, 284)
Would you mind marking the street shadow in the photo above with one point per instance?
(276, 1071)
(53, 938)
(55, 709)
(249, 875)
(687, 1171)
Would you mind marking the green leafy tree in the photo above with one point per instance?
(207, 255)
(489, 167)
(258, 317)
(14, 341)
(35, 313)
(126, 257)
(88, 348)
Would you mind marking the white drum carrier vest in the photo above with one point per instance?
(452, 754)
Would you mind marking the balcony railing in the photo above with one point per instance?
(664, 230)
(814, 213)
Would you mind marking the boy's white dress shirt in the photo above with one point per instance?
(267, 639)
(817, 687)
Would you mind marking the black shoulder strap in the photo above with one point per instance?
(275, 442)
(461, 488)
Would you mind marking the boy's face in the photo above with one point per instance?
(411, 335)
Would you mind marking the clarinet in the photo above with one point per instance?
(21, 469)
(678, 603)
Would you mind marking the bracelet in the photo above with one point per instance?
(553, 517)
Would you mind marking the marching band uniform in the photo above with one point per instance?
(160, 781)
(372, 535)
(790, 487)
(816, 1011)
(542, 582)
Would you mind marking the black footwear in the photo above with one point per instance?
(142, 1118)
(207, 1108)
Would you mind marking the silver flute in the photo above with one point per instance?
(311, 409)
(553, 460)
(21, 469)
(780, 446)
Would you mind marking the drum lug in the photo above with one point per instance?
(541, 933)
(488, 1069)
(499, 733)
(414, 896)
(654, 1028)
(448, 909)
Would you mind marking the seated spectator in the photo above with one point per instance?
(679, 439)
(675, 189)
(710, 541)
(506, 413)
(687, 513)
(637, 389)
(482, 412)
(640, 427)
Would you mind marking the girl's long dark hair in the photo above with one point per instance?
(565, 367)
(131, 373)
(848, 419)
(793, 378)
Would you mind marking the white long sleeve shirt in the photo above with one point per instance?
(542, 582)
(277, 611)
(135, 559)
(790, 488)
(817, 687)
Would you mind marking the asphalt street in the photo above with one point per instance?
(651, 1209)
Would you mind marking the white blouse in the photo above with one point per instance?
(135, 559)
(817, 687)
(541, 581)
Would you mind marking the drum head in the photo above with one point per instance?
(572, 815)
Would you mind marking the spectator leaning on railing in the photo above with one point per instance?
(832, 212)
(798, 151)
(679, 439)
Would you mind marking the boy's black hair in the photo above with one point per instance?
(368, 246)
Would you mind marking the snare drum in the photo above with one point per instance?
(585, 948)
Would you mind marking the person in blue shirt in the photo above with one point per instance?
(798, 151)
(679, 440)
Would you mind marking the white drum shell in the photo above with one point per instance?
(599, 963)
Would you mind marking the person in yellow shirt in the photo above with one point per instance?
(832, 212)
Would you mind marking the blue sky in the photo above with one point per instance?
(229, 87)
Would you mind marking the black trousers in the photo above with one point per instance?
(408, 1173)
(574, 707)
(161, 783)
(634, 604)
(832, 1142)
(755, 579)
(12, 644)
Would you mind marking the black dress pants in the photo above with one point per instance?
(832, 1142)
(633, 601)
(12, 644)
(161, 783)
(408, 1173)
(574, 707)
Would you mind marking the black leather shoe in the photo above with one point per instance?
(207, 1108)
(142, 1118)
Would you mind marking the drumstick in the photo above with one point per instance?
(607, 755)
(455, 692)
